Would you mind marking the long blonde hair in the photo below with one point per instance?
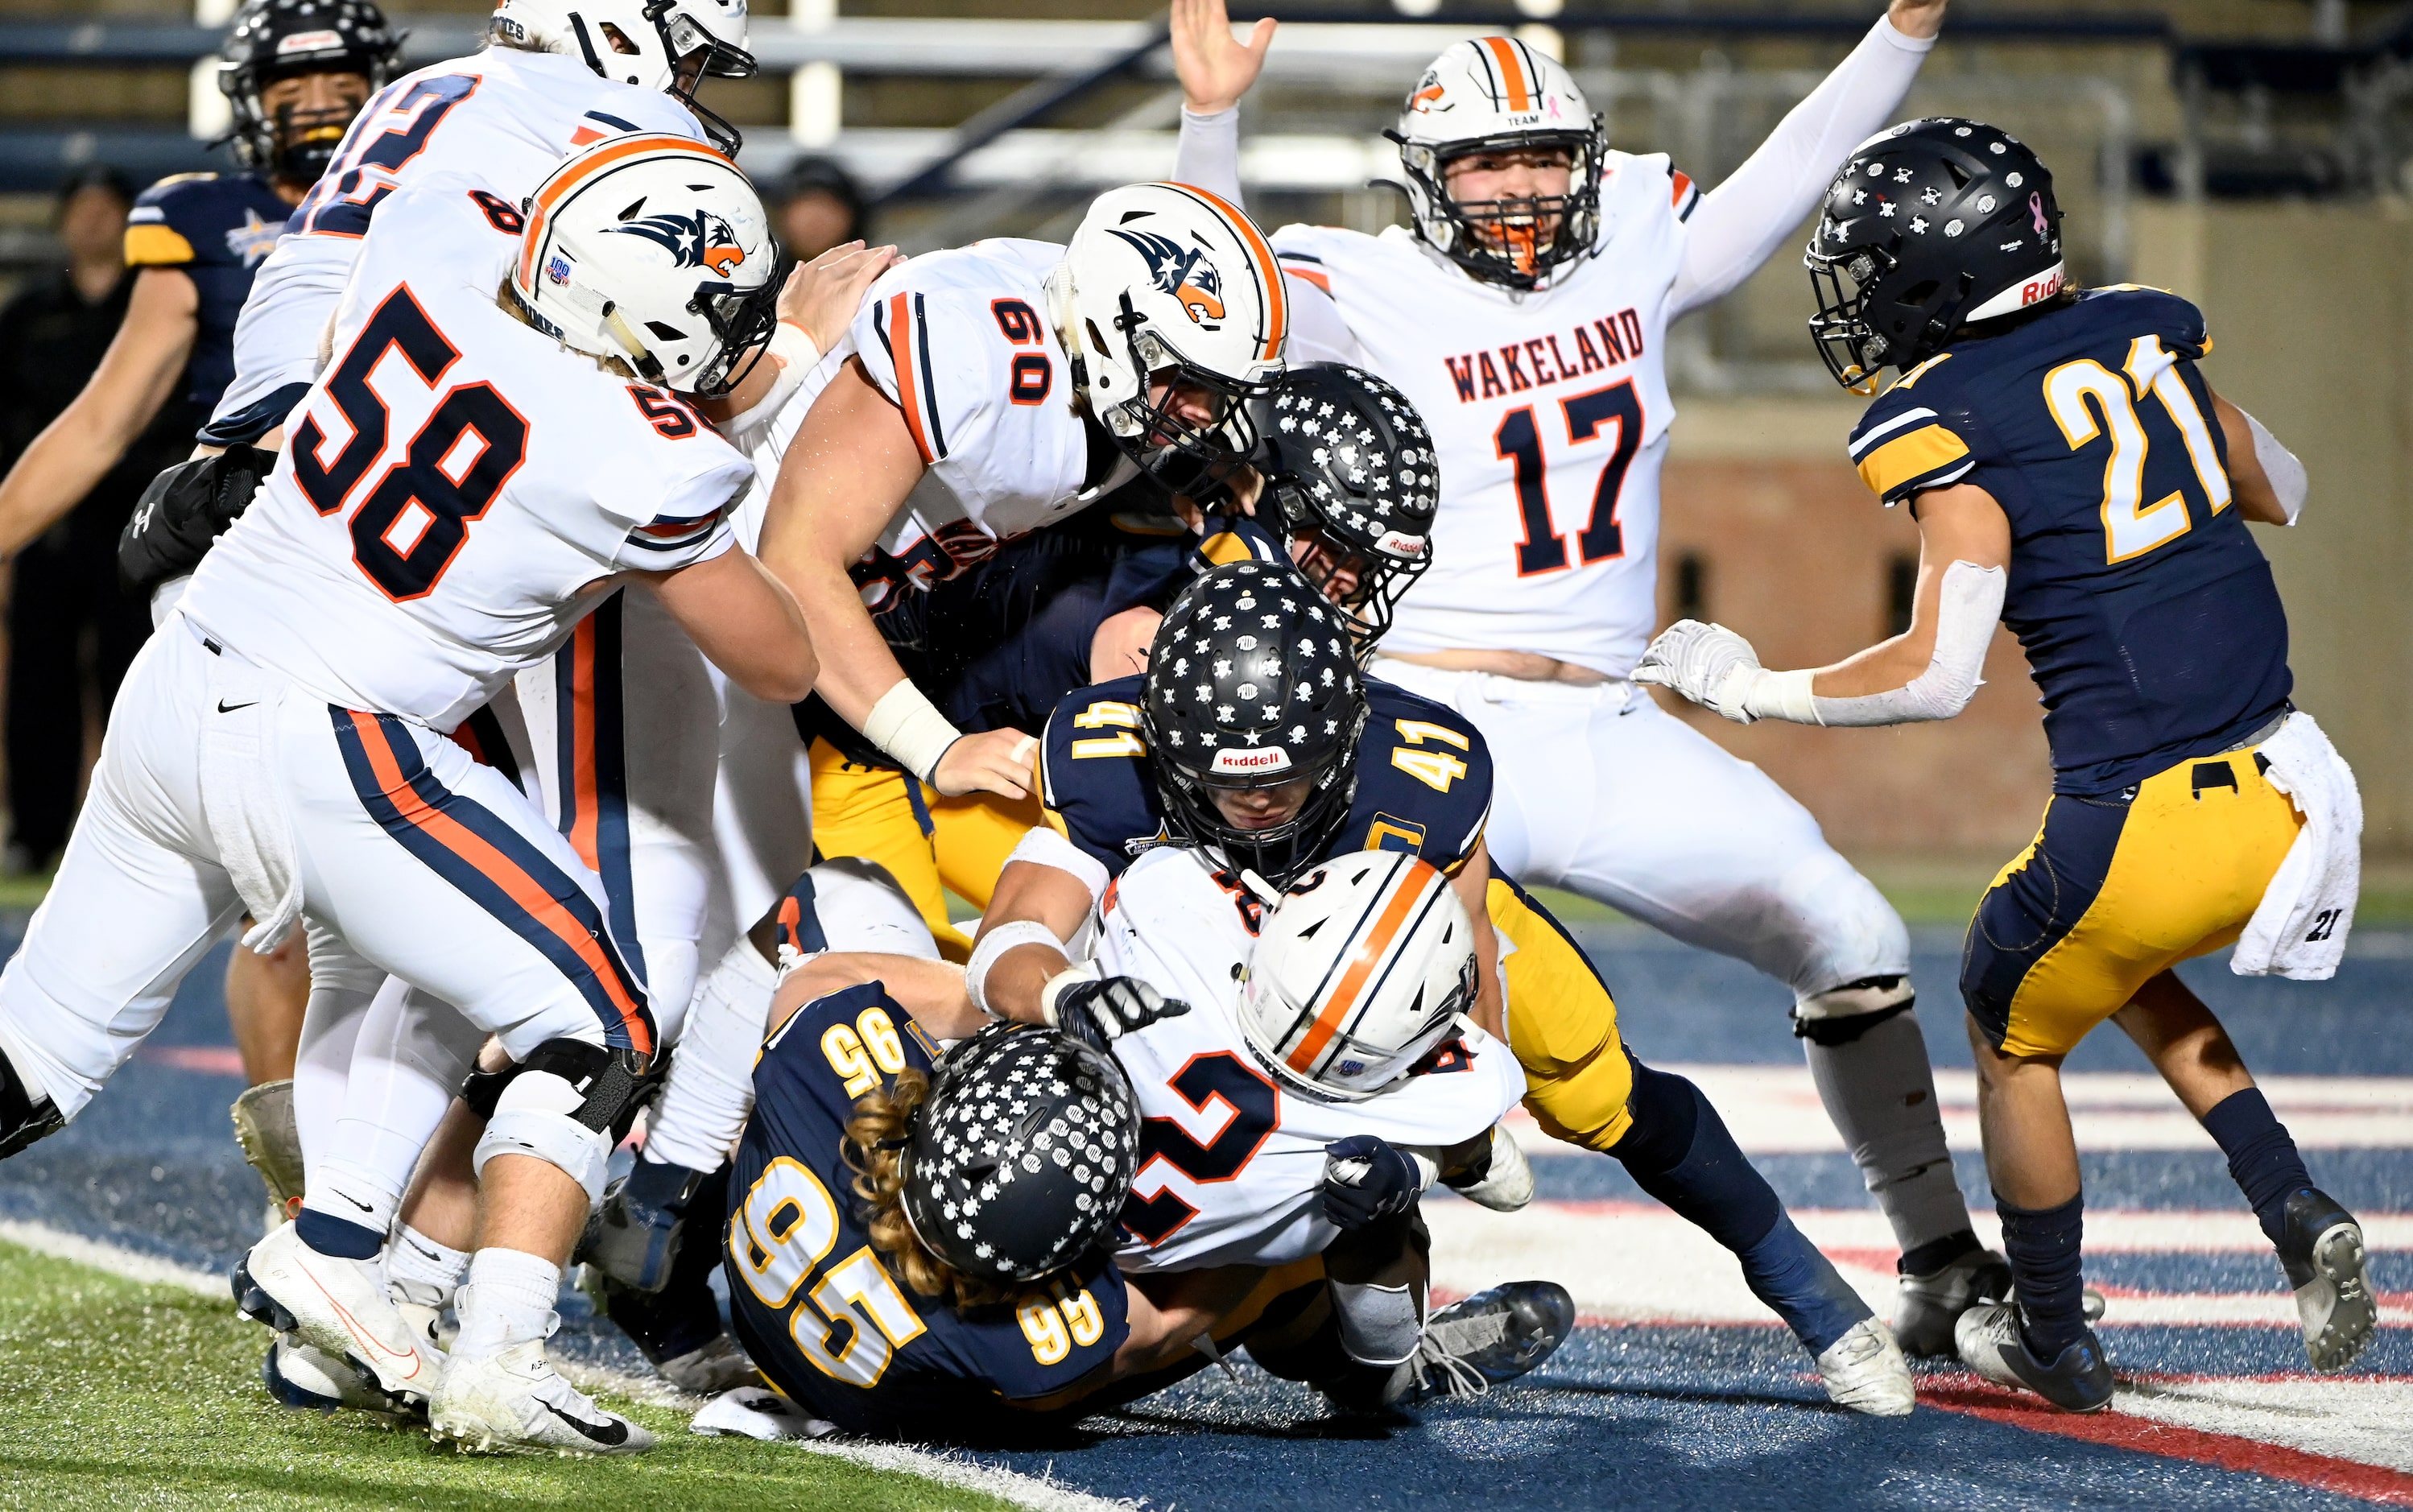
(881, 1118)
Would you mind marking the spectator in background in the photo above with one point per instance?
(72, 627)
(816, 205)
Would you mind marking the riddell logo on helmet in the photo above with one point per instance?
(1181, 272)
(321, 42)
(702, 240)
(2040, 289)
(1260, 758)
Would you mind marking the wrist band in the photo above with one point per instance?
(908, 726)
(1054, 987)
(1781, 696)
(991, 947)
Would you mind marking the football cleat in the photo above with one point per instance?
(336, 1306)
(422, 1306)
(2322, 1253)
(1485, 1340)
(311, 1380)
(1929, 1305)
(1502, 1181)
(515, 1401)
(1865, 1372)
(2078, 1381)
(26, 1114)
(271, 1142)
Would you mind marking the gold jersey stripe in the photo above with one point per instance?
(1907, 457)
(154, 247)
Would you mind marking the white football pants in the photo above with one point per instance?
(408, 854)
(1599, 791)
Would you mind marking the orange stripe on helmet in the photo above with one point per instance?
(1343, 998)
(581, 170)
(900, 359)
(1512, 72)
(1268, 267)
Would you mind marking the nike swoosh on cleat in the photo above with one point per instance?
(354, 1326)
(610, 1435)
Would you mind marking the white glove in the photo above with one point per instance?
(1717, 669)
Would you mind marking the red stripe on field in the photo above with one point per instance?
(2222, 1451)
(210, 1060)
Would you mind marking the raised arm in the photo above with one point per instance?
(1929, 672)
(1744, 219)
(135, 378)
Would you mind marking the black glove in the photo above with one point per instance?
(1100, 1013)
(1366, 1179)
(186, 508)
(634, 1236)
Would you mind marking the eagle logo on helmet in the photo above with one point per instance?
(1181, 272)
(702, 240)
(1429, 93)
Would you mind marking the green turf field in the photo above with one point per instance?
(114, 1394)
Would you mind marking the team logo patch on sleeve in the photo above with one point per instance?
(702, 240)
(1181, 272)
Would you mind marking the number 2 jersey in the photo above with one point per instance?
(2148, 612)
(454, 487)
(1231, 1154)
(495, 121)
(818, 1307)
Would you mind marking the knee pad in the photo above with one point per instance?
(1379, 1324)
(561, 1105)
(1841, 1015)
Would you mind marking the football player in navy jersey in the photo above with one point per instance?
(295, 72)
(1253, 742)
(2074, 476)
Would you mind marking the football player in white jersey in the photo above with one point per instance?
(557, 76)
(476, 469)
(993, 389)
(1543, 270)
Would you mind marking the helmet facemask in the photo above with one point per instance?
(741, 321)
(695, 55)
(1853, 352)
(1278, 852)
(1368, 604)
(1184, 455)
(1518, 243)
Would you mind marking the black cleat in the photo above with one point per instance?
(1485, 1340)
(25, 1114)
(2322, 1253)
(2078, 1381)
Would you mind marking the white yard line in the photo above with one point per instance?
(1039, 1493)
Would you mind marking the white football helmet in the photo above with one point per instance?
(668, 45)
(1359, 972)
(655, 251)
(1170, 283)
(1492, 92)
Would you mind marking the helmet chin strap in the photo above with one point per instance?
(640, 357)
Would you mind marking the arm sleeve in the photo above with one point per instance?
(1209, 154)
(1967, 610)
(1741, 222)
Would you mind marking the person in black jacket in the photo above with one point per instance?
(72, 627)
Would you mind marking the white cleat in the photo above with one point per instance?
(311, 1380)
(1865, 1372)
(1507, 1184)
(515, 1399)
(338, 1307)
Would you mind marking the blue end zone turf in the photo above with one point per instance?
(1658, 1414)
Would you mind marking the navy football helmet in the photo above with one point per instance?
(1933, 225)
